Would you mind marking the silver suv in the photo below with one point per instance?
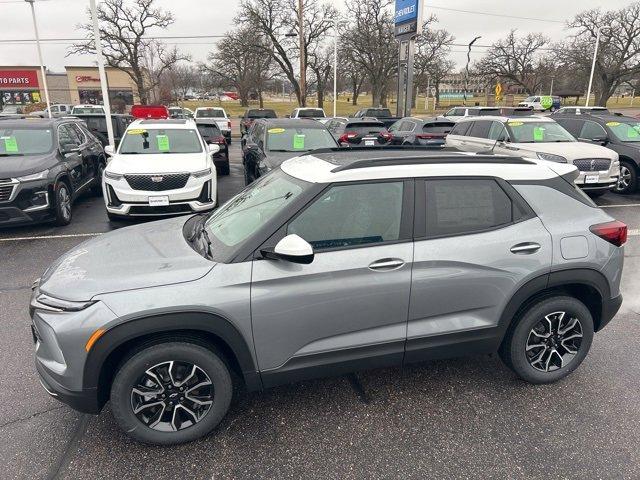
(334, 262)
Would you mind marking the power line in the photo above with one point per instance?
(83, 39)
(495, 14)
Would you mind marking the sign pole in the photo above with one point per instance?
(42, 70)
(408, 25)
(103, 76)
(408, 99)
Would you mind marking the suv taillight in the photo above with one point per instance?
(613, 232)
(345, 137)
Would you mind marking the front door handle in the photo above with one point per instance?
(386, 264)
(525, 248)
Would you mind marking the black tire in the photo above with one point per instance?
(628, 181)
(96, 189)
(182, 353)
(515, 355)
(63, 204)
(224, 169)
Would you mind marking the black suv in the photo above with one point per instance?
(46, 165)
(97, 124)
(619, 133)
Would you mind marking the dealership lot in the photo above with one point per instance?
(434, 420)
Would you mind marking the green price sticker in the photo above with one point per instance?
(298, 142)
(632, 132)
(538, 134)
(163, 143)
(11, 144)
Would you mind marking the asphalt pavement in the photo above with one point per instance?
(461, 418)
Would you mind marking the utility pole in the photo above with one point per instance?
(303, 63)
(335, 70)
(593, 66)
(42, 70)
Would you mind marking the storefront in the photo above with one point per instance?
(20, 85)
(84, 85)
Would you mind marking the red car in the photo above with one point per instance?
(150, 111)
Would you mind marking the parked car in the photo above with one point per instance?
(157, 112)
(307, 112)
(539, 137)
(617, 133)
(379, 113)
(541, 103)
(162, 167)
(355, 132)
(81, 109)
(45, 165)
(582, 111)
(12, 110)
(272, 141)
(251, 115)
(215, 115)
(335, 262)
(457, 113)
(326, 120)
(420, 131)
(180, 112)
(57, 110)
(97, 124)
(212, 135)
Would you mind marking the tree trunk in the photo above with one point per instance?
(142, 91)
(244, 96)
(437, 100)
(377, 90)
(607, 88)
(261, 98)
(355, 89)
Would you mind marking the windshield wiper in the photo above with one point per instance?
(11, 154)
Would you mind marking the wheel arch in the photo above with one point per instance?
(202, 328)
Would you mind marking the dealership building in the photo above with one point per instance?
(24, 85)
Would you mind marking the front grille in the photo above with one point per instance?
(168, 210)
(592, 164)
(5, 192)
(157, 183)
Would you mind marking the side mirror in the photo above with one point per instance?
(213, 148)
(600, 140)
(67, 148)
(109, 150)
(291, 248)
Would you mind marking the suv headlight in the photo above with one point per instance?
(34, 176)
(112, 176)
(202, 173)
(45, 302)
(550, 157)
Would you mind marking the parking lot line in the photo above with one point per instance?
(46, 237)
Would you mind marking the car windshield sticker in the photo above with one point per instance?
(515, 124)
(632, 132)
(10, 144)
(276, 130)
(538, 134)
(136, 131)
(613, 124)
(163, 143)
(298, 142)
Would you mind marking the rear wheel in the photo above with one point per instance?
(63, 204)
(550, 340)
(628, 180)
(171, 393)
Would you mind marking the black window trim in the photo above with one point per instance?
(420, 211)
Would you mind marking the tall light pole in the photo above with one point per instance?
(593, 66)
(103, 76)
(466, 75)
(335, 69)
(44, 74)
(303, 63)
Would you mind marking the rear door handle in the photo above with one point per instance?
(525, 248)
(386, 264)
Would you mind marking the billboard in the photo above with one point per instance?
(18, 79)
(408, 17)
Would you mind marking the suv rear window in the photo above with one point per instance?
(379, 112)
(311, 113)
(363, 128)
(261, 114)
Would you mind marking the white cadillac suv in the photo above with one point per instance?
(161, 167)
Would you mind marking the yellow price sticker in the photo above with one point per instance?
(136, 131)
(613, 124)
(276, 130)
(515, 124)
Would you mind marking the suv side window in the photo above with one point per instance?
(497, 131)
(570, 125)
(464, 206)
(352, 215)
(80, 133)
(480, 129)
(591, 130)
(67, 135)
(460, 128)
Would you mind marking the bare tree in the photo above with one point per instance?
(123, 29)
(618, 57)
(431, 58)
(517, 60)
(239, 61)
(276, 21)
(184, 78)
(370, 36)
(321, 64)
(351, 71)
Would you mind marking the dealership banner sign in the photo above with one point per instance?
(11, 79)
(408, 17)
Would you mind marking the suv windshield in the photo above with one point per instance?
(160, 140)
(311, 113)
(261, 114)
(298, 139)
(25, 141)
(210, 113)
(537, 132)
(625, 131)
(252, 208)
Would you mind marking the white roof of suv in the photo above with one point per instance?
(327, 166)
(177, 123)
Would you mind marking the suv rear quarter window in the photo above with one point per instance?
(480, 129)
(460, 128)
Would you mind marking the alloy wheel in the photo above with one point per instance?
(554, 341)
(64, 200)
(625, 178)
(172, 396)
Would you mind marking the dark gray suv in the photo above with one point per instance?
(335, 261)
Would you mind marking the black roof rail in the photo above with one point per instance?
(377, 148)
(385, 162)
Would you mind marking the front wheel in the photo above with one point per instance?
(628, 179)
(171, 393)
(63, 204)
(550, 340)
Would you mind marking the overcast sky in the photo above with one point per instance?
(58, 19)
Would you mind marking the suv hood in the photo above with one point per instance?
(158, 163)
(569, 150)
(141, 256)
(17, 166)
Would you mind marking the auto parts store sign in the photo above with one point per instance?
(18, 79)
